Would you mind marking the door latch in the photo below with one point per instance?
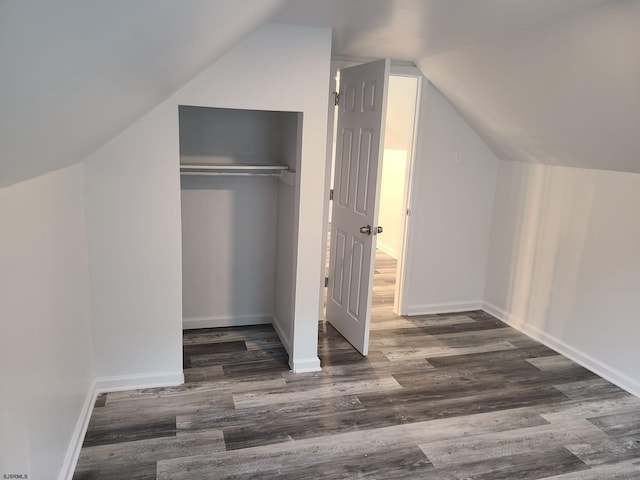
(368, 230)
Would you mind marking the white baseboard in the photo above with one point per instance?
(77, 439)
(305, 365)
(388, 250)
(217, 321)
(449, 307)
(109, 384)
(138, 381)
(284, 338)
(584, 359)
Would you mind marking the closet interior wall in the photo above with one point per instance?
(238, 231)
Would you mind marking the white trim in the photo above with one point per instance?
(77, 439)
(448, 307)
(404, 70)
(305, 365)
(217, 321)
(403, 272)
(582, 358)
(286, 341)
(388, 250)
(109, 384)
(137, 381)
(349, 61)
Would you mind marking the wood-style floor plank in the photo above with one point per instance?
(341, 447)
(455, 396)
(532, 440)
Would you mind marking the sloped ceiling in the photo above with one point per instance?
(550, 81)
(565, 93)
(545, 81)
(74, 73)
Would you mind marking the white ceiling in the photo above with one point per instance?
(415, 29)
(552, 81)
(545, 81)
(77, 72)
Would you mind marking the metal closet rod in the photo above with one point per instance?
(233, 174)
(228, 169)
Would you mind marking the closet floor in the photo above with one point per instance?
(439, 397)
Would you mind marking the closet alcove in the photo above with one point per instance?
(239, 174)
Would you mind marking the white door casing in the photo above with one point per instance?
(359, 149)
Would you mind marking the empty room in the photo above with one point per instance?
(320, 239)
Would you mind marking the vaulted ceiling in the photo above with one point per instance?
(77, 72)
(544, 81)
(550, 81)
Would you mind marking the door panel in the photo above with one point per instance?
(361, 114)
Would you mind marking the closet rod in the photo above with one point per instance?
(235, 169)
(234, 174)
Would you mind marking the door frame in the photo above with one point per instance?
(402, 277)
(397, 69)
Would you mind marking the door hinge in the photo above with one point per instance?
(331, 194)
(336, 98)
(326, 281)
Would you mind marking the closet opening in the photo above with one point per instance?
(239, 176)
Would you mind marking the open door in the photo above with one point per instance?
(360, 136)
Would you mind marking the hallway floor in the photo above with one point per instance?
(460, 396)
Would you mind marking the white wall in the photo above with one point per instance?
(133, 232)
(228, 250)
(287, 236)
(225, 135)
(45, 336)
(392, 201)
(133, 205)
(401, 110)
(451, 211)
(564, 263)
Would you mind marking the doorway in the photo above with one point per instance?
(394, 190)
(394, 194)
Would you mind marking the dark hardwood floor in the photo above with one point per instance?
(459, 396)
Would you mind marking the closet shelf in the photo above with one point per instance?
(237, 169)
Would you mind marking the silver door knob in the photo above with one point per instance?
(366, 230)
(377, 230)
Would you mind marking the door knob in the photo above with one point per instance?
(366, 230)
(377, 230)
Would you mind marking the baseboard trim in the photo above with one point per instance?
(305, 365)
(449, 307)
(217, 321)
(388, 250)
(286, 341)
(138, 381)
(587, 361)
(77, 439)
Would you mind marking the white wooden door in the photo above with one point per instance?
(359, 148)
